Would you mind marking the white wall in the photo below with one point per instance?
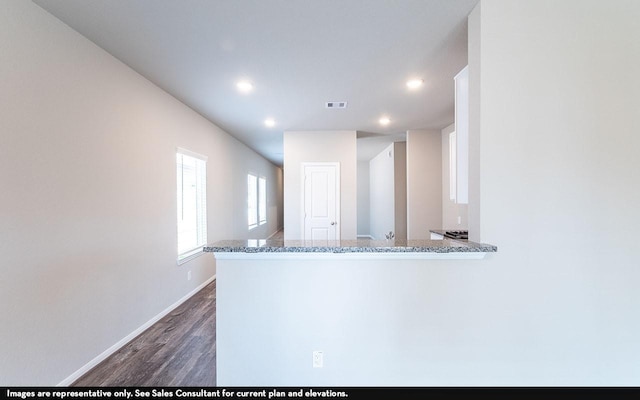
(400, 189)
(320, 146)
(424, 182)
(382, 194)
(473, 45)
(388, 192)
(88, 199)
(410, 312)
(451, 210)
(280, 198)
(557, 123)
(363, 198)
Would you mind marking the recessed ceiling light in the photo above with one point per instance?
(384, 121)
(244, 86)
(414, 83)
(269, 122)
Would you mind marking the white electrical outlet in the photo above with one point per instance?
(459, 220)
(317, 359)
(188, 275)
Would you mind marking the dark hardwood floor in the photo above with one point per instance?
(178, 350)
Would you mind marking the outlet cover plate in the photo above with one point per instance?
(317, 359)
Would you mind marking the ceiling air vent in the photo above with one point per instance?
(336, 104)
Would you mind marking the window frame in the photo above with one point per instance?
(258, 195)
(262, 195)
(252, 187)
(200, 200)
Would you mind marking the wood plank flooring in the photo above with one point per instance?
(178, 350)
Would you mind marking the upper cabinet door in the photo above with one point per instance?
(462, 135)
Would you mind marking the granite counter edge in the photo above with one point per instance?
(479, 248)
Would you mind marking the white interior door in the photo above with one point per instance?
(321, 199)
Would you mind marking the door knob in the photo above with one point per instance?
(333, 223)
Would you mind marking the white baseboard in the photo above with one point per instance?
(103, 356)
(273, 234)
(365, 236)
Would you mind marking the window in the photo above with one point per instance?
(191, 171)
(252, 200)
(262, 200)
(256, 200)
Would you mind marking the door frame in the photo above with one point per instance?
(303, 166)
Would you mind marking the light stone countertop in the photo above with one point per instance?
(349, 246)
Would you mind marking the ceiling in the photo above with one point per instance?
(297, 54)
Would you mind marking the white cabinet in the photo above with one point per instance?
(462, 136)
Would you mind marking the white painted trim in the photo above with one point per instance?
(122, 342)
(190, 153)
(350, 256)
(266, 200)
(190, 255)
(274, 233)
(365, 237)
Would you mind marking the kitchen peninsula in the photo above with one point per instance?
(292, 313)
